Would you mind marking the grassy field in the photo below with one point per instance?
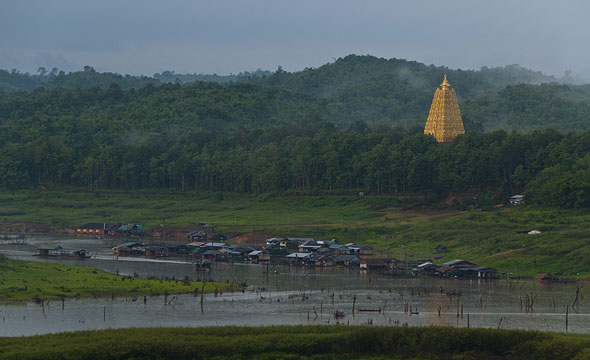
(27, 280)
(489, 238)
(68, 208)
(298, 342)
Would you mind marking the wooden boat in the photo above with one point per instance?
(202, 265)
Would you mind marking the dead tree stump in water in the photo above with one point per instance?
(567, 310)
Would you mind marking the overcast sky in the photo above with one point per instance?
(230, 36)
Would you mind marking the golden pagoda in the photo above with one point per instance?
(444, 120)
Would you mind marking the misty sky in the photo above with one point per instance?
(230, 36)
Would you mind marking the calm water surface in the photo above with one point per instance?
(292, 296)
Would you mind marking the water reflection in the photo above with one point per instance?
(295, 296)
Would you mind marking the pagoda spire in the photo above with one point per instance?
(444, 120)
(445, 84)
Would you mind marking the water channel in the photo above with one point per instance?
(292, 295)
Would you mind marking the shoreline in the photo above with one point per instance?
(174, 260)
(44, 281)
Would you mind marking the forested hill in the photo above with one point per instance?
(115, 116)
(386, 101)
(330, 79)
(89, 78)
(399, 92)
(526, 107)
(266, 135)
(85, 79)
(348, 92)
(356, 71)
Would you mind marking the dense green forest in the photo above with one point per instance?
(300, 156)
(87, 78)
(379, 92)
(332, 78)
(352, 125)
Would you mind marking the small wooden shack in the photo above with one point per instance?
(374, 264)
(58, 251)
(129, 248)
(156, 251)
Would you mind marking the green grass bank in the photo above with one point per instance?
(490, 238)
(298, 342)
(28, 280)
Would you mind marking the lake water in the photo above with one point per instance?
(289, 295)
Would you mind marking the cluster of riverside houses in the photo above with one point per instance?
(304, 252)
(116, 229)
(292, 251)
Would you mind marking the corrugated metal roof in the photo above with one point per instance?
(196, 243)
(212, 244)
(298, 255)
(454, 262)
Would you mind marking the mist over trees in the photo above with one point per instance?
(352, 125)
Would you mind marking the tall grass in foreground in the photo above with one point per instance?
(298, 342)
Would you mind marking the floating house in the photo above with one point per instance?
(427, 268)
(479, 272)
(320, 260)
(49, 250)
(214, 255)
(156, 251)
(178, 249)
(129, 249)
(347, 260)
(298, 258)
(457, 263)
(374, 264)
(461, 268)
(254, 255)
(58, 251)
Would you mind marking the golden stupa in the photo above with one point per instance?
(444, 120)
